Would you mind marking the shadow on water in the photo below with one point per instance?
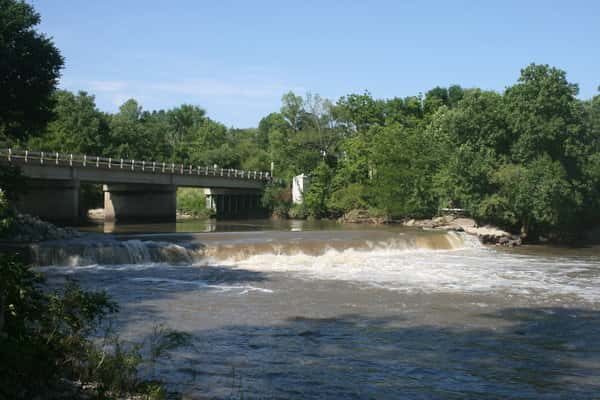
(544, 353)
(154, 281)
(519, 353)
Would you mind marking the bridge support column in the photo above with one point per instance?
(232, 203)
(51, 200)
(142, 202)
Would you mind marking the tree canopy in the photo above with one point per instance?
(29, 69)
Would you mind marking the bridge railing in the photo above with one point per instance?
(151, 167)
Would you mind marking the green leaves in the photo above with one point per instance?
(30, 66)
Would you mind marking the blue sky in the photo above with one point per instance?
(236, 58)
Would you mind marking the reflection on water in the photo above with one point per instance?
(209, 225)
(316, 310)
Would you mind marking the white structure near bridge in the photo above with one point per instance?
(300, 185)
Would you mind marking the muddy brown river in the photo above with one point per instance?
(294, 310)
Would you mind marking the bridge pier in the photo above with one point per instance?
(231, 203)
(142, 202)
(56, 200)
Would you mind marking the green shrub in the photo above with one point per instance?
(298, 211)
(192, 201)
(45, 344)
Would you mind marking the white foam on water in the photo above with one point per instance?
(454, 263)
(242, 289)
(468, 270)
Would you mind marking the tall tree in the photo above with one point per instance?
(29, 69)
(292, 110)
(78, 126)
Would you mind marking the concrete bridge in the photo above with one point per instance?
(133, 189)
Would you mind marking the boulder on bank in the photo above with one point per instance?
(27, 228)
(487, 234)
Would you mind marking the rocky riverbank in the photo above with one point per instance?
(27, 229)
(487, 234)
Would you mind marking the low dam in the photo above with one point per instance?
(317, 310)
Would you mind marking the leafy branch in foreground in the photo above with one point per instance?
(45, 345)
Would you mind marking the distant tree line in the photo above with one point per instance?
(526, 159)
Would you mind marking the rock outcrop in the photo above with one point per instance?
(27, 228)
(487, 234)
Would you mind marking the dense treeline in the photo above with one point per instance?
(527, 159)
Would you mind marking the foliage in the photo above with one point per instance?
(74, 113)
(7, 215)
(277, 198)
(192, 201)
(316, 198)
(29, 70)
(43, 336)
(45, 342)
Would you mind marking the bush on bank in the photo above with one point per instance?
(192, 202)
(45, 346)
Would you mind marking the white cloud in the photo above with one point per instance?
(196, 87)
(252, 96)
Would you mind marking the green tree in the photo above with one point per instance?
(545, 116)
(292, 110)
(78, 127)
(29, 70)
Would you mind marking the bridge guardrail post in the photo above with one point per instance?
(132, 164)
(109, 162)
(153, 166)
(26, 155)
(84, 159)
(42, 157)
(97, 162)
(71, 159)
(56, 158)
(121, 163)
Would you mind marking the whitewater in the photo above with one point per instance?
(330, 312)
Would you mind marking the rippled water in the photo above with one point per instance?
(356, 313)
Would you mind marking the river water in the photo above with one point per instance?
(292, 310)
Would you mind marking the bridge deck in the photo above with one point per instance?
(60, 166)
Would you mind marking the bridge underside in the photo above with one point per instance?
(140, 202)
(55, 200)
(59, 201)
(133, 190)
(231, 203)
